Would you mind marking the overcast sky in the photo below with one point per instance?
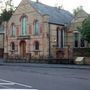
(67, 4)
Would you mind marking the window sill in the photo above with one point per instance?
(12, 50)
(36, 50)
(23, 37)
(13, 36)
(36, 34)
(60, 47)
(79, 47)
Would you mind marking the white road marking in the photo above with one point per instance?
(14, 83)
(7, 83)
(18, 89)
(24, 85)
(4, 87)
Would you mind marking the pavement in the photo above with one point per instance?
(68, 66)
(38, 65)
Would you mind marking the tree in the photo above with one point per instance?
(5, 16)
(85, 29)
(75, 11)
(7, 11)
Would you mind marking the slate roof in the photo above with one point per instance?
(56, 16)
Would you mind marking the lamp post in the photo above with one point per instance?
(68, 53)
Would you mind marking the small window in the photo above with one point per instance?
(13, 30)
(36, 45)
(82, 42)
(13, 46)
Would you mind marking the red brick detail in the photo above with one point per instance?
(24, 15)
(69, 31)
(40, 27)
(30, 29)
(17, 32)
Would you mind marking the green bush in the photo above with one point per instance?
(82, 52)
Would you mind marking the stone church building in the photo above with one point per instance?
(36, 31)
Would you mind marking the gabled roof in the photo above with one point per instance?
(56, 16)
(81, 14)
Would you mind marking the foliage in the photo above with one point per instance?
(7, 11)
(85, 29)
(5, 16)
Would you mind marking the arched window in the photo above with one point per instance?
(36, 45)
(78, 40)
(13, 30)
(36, 27)
(12, 46)
(82, 42)
(23, 25)
(60, 37)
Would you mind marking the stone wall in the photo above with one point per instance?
(87, 60)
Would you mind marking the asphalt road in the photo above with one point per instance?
(36, 78)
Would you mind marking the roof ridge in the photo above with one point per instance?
(41, 3)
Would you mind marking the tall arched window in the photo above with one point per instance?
(60, 37)
(23, 25)
(36, 45)
(12, 46)
(36, 27)
(13, 30)
(76, 39)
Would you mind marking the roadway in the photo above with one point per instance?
(38, 78)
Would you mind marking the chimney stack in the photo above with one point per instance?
(37, 1)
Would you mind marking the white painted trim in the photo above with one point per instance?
(7, 83)
(17, 89)
(76, 32)
(16, 83)
(63, 38)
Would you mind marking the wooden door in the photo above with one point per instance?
(22, 49)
